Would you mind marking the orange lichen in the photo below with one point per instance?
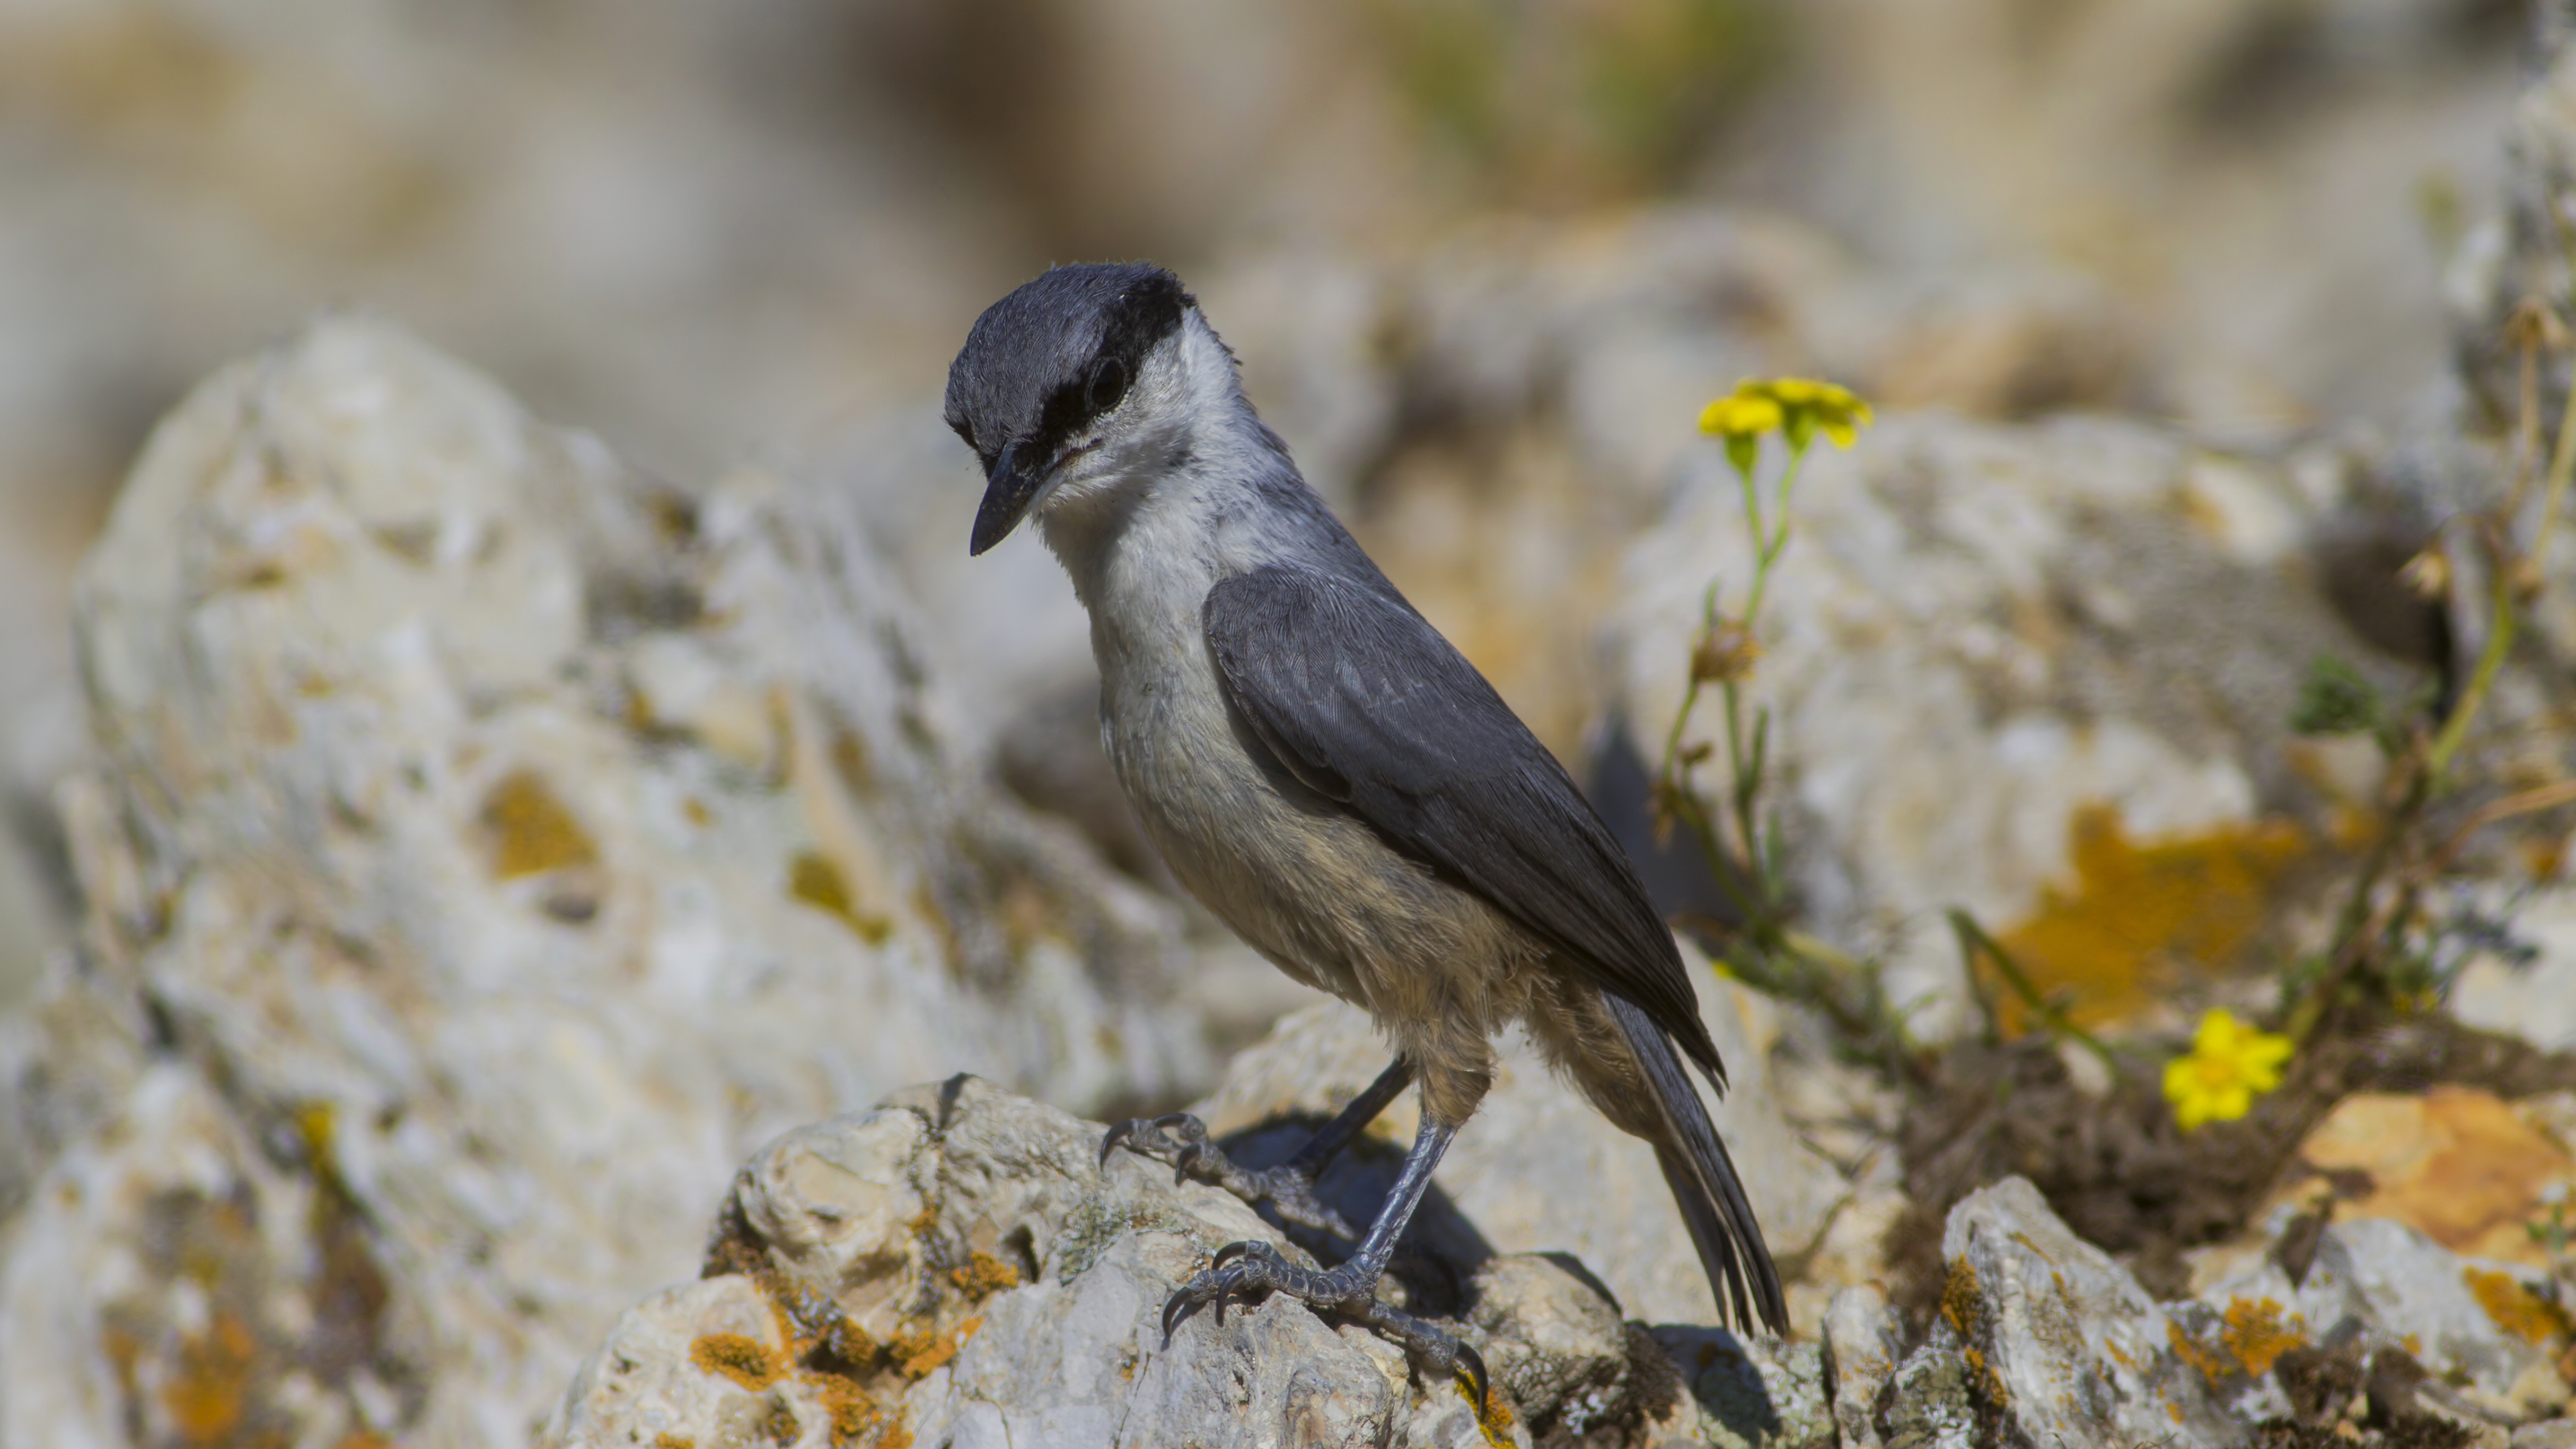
(2516, 1309)
(917, 1354)
(815, 880)
(1493, 1416)
(2111, 940)
(984, 1275)
(211, 1387)
(2456, 1164)
(2257, 1333)
(850, 762)
(531, 830)
(1959, 1298)
(2189, 1349)
(1985, 1377)
(853, 1412)
(739, 1357)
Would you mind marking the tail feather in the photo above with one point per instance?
(1702, 1177)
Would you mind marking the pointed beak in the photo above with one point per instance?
(1008, 489)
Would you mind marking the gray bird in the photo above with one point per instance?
(1333, 779)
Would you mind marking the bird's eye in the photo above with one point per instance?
(1107, 386)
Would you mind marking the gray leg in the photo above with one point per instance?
(1245, 1270)
(1181, 1140)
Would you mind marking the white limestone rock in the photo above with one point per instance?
(504, 843)
(959, 1267)
(2060, 1344)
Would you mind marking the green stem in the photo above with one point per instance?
(2500, 630)
(1973, 941)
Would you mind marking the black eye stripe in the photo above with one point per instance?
(1149, 310)
(1108, 385)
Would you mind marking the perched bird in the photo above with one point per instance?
(1333, 779)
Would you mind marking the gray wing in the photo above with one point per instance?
(1366, 704)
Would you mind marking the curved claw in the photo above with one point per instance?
(1232, 1251)
(1117, 1133)
(1477, 1378)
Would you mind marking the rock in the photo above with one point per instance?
(2534, 999)
(959, 1267)
(1863, 1343)
(2461, 1166)
(2042, 673)
(2375, 1289)
(496, 845)
(1502, 1186)
(2060, 1344)
(1926, 1405)
(2548, 1434)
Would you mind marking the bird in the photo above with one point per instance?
(1331, 778)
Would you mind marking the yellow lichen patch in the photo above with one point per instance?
(850, 762)
(2209, 1362)
(853, 1412)
(211, 1387)
(917, 1354)
(2257, 1333)
(1982, 1374)
(364, 1439)
(2113, 940)
(531, 830)
(739, 1357)
(1959, 1298)
(1493, 1416)
(668, 1440)
(815, 880)
(984, 1275)
(2516, 1309)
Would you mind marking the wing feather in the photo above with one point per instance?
(1366, 704)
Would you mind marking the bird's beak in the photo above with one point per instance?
(1009, 488)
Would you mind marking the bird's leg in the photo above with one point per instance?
(1246, 1270)
(1182, 1140)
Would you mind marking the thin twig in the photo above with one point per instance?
(1973, 940)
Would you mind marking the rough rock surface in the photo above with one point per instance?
(487, 846)
(1501, 1186)
(1981, 634)
(959, 1267)
(2059, 1342)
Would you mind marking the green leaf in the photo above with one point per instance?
(2336, 700)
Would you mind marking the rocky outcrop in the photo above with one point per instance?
(486, 847)
(960, 1267)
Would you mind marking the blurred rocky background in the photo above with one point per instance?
(710, 231)
(526, 733)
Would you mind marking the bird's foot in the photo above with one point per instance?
(1181, 1140)
(1242, 1272)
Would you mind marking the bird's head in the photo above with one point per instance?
(1060, 379)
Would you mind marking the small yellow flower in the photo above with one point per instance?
(1740, 415)
(2228, 1066)
(1796, 406)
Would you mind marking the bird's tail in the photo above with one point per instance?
(1740, 1273)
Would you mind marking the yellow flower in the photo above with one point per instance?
(1740, 415)
(2228, 1066)
(1796, 406)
